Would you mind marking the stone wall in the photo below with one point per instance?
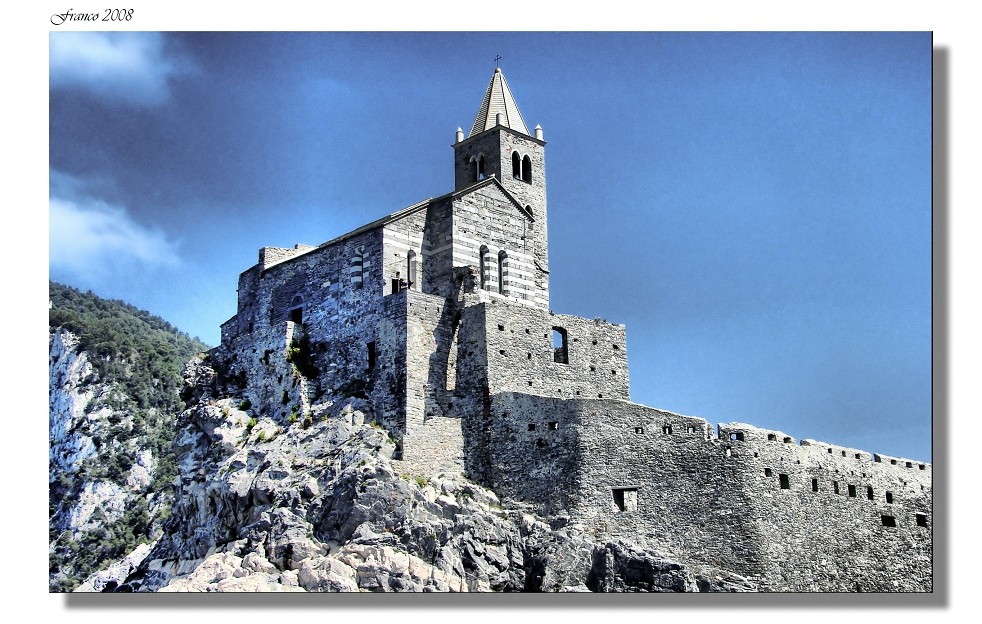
(794, 517)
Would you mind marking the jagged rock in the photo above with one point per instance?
(621, 567)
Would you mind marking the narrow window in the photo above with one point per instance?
(729, 451)
(814, 485)
(843, 453)
(485, 267)
(888, 521)
(516, 166)
(412, 270)
(869, 492)
(767, 472)
(372, 355)
(626, 499)
(785, 482)
(502, 272)
(690, 429)
(527, 169)
(890, 497)
(666, 429)
(296, 310)
(835, 487)
(560, 348)
(639, 430)
(852, 491)
(921, 520)
(481, 164)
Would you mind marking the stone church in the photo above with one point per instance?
(438, 317)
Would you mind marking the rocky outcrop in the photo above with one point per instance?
(320, 505)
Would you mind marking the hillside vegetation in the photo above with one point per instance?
(112, 416)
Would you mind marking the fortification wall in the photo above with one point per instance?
(793, 517)
(522, 354)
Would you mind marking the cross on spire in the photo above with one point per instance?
(497, 57)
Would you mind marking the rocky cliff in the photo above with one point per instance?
(320, 505)
(114, 374)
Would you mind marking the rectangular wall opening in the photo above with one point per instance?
(814, 485)
(921, 519)
(626, 499)
(372, 355)
(888, 521)
(737, 435)
(890, 497)
(560, 347)
(553, 425)
(852, 491)
(869, 492)
(785, 482)
(835, 487)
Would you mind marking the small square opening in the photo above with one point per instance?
(771, 437)
(888, 521)
(531, 426)
(626, 499)
(767, 472)
(553, 425)
(921, 519)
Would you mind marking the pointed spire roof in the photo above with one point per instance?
(498, 99)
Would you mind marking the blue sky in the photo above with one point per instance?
(755, 207)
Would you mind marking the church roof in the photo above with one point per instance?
(498, 99)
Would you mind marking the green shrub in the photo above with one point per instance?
(250, 424)
(245, 404)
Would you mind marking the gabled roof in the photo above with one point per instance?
(493, 180)
(423, 205)
(498, 99)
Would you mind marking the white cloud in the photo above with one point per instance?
(91, 239)
(129, 66)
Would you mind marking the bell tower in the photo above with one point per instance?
(499, 145)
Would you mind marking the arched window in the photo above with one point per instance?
(481, 165)
(356, 268)
(296, 309)
(529, 208)
(516, 166)
(412, 270)
(485, 267)
(502, 271)
(527, 169)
